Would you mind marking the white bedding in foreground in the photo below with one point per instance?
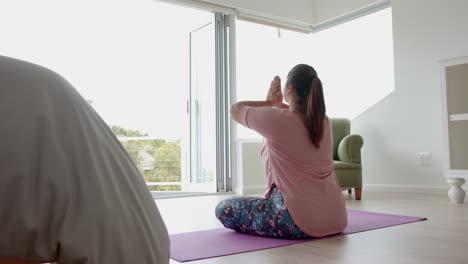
(68, 189)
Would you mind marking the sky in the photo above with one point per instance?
(131, 57)
(354, 61)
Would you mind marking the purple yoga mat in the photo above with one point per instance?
(221, 242)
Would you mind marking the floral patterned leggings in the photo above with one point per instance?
(259, 216)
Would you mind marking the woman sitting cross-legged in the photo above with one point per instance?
(303, 198)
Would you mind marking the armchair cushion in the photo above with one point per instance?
(349, 149)
(341, 128)
(347, 156)
(339, 165)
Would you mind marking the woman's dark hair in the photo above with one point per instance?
(310, 99)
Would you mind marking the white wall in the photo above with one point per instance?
(409, 120)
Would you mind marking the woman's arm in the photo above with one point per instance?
(235, 108)
(274, 99)
(283, 106)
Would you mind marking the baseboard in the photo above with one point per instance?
(406, 188)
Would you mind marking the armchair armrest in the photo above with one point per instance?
(349, 149)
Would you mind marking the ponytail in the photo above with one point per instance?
(315, 112)
(310, 99)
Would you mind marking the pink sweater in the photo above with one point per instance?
(304, 174)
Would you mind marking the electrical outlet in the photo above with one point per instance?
(425, 159)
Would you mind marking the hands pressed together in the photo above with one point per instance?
(274, 99)
(275, 96)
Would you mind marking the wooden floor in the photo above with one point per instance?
(443, 238)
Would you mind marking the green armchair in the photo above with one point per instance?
(347, 156)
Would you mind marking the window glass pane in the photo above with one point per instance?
(354, 61)
(129, 58)
(202, 52)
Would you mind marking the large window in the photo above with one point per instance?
(158, 74)
(354, 61)
(146, 67)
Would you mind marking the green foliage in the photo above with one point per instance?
(133, 148)
(122, 132)
(167, 163)
(166, 188)
(166, 158)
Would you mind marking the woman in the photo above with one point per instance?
(303, 198)
(69, 193)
